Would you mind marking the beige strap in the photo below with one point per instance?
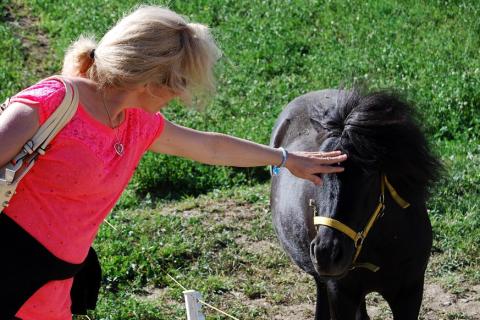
(15, 170)
(49, 129)
(61, 116)
(57, 120)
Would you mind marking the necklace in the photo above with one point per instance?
(118, 146)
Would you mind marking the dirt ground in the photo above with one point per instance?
(440, 304)
(290, 293)
(463, 302)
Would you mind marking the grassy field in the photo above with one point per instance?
(222, 243)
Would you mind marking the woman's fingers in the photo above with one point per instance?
(332, 160)
(315, 179)
(326, 157)
(328, 169)
(322, 154)
(329, 153)
(308, 165)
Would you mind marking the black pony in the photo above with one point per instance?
(365, 229)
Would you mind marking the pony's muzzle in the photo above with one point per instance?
(329, 256)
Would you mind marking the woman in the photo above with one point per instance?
(149, 58)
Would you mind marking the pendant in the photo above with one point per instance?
(118, 148)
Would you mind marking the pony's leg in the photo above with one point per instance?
(345, 303)
(362, 311)
(322, 309)
(405, 304)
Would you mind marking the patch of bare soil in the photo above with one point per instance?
(441, 304)
(438, 304)
(287, 292)
(25, 26)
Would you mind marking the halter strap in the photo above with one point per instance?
(325, 221)
(359, 237)
(399, 200)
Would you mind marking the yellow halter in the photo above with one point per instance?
(359, 237)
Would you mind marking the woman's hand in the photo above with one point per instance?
(307, 165)
(219, 149)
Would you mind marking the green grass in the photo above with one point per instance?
(273, 52)
(223, 245)
(10, 52)
(197, 240)
(429, 49)
(455, 208)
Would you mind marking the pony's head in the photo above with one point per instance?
(379, 134)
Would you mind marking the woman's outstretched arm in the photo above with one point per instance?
(220, 149)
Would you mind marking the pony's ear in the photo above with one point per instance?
(317, 125)
(317, 120)
(280, 132)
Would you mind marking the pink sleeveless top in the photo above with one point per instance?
(65, 197)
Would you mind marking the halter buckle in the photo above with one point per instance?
(311, 203)
(382, 211)
(359, 240)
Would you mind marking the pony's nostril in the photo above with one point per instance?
(321, 253)
(312, 250)
(326, 254)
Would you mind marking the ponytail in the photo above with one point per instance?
(79, 57)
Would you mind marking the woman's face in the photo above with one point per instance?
(155, 97)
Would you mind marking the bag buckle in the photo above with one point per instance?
(10, 171)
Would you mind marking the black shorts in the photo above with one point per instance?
(26, 265)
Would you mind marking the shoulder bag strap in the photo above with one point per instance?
(15, 170)
(57, 120)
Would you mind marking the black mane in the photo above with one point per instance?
(379, 130)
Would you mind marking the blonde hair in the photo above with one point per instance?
(151, 45)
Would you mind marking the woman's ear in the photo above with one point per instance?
(142, 89)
